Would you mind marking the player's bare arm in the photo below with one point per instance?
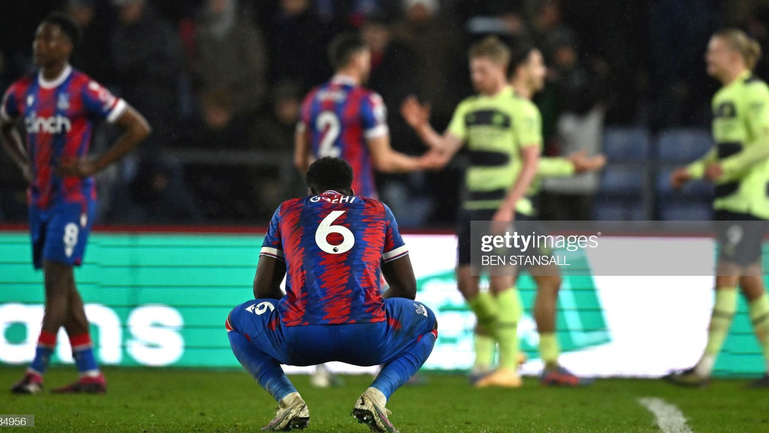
(387, 160)
(584, 164)
(269, 274)
(400, 277)
(576, 163)
(695, 170)
(136, 130)
(302, 156)
(418, 117)
(530, 158)
(15, 147)
(679, 177)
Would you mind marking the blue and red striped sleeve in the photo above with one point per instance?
(394, 246)
(98, 101)
(273, 245)
(373, 115)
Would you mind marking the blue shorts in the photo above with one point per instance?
(59, 234)
(362, 344)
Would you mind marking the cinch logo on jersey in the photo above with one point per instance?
(48, 125)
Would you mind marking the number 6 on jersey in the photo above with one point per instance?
(326, 228)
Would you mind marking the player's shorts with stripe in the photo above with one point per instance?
(60, 234)
(740, 237)
(362, 344)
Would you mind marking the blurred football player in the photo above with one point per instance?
(503, 134)
(59, 106)
(739, 168)
(343, 119)
(528, 78)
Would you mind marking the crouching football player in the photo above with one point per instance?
(332, 247)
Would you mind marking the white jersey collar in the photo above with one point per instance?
(56, 82)
(343, 79)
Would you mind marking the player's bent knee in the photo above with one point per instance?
(431, 316)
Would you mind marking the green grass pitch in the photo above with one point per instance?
(149, 401)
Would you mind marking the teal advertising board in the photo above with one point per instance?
(160, 299)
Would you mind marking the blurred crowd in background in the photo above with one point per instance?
(221, 82)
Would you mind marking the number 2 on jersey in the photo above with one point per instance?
(326, 228)
(328, 123)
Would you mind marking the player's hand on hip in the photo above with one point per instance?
(414, 113)
(713, 171)
(679, 177)
(82, 167)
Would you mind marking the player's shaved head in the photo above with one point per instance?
(66, 24)
(343, 48)
(328, 174)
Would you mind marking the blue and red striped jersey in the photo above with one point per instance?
(333, 246)
(338, 117)
(58, 119)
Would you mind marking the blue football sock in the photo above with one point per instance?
(264, 369)
(46, 343)
(82, 351)
(398, 371)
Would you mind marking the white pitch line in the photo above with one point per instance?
(669, 418)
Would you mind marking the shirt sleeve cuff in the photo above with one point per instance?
(377, 131)
(117, 111)
(395, 254)
(300, 127)
(696, 170)
(272, 252)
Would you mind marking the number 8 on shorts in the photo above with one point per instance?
(60, 234)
